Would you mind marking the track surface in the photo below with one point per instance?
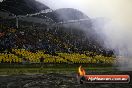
(52, 80)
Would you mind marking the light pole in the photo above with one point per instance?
(16, 21)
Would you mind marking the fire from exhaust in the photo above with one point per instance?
(81, 71)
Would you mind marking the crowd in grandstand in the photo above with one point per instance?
(24, 56)
(59, 44)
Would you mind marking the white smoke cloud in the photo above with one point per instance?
(1, 0)
(118, 31)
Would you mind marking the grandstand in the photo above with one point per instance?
(39, 35)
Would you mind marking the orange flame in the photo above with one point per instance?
(81, 71)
